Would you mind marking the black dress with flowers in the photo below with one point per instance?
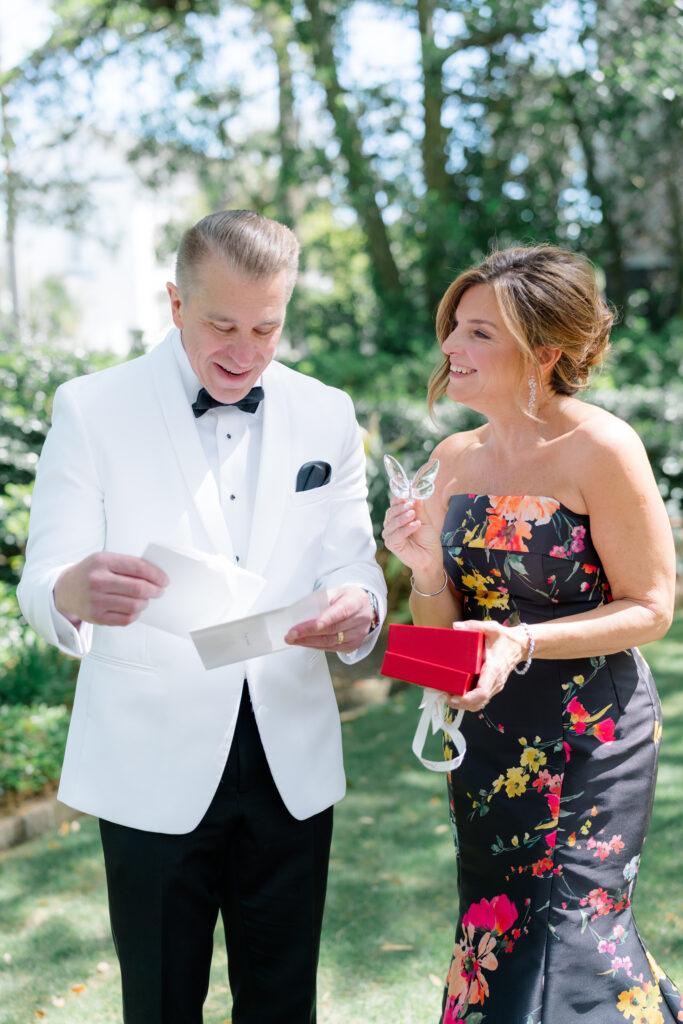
(552, 802)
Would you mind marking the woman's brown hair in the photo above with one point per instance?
(548, 298)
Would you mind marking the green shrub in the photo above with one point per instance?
(32, 741)
(37, 673)
(639, 354)
(29, 375)
(31, 671)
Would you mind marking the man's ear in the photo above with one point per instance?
(176, 304)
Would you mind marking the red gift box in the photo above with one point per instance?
(442, 659)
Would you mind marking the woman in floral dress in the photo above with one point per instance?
(547, 533)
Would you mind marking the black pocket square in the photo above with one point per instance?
(313, 474)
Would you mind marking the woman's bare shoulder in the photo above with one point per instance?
(598, 431)
(454, 446)
(453, 454)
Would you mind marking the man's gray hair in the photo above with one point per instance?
(248, 242)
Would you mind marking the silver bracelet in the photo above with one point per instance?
(532, 644)
(440, 591)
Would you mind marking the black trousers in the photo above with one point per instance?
(265, 871)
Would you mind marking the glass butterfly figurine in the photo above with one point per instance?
(419, 488)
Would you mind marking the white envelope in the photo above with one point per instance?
(203, 589)
(251, 637)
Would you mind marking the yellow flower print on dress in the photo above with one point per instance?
(641, 1004)
(532, 758)
(483, 592)
(516, 781)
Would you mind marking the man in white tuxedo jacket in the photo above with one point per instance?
(214, 789)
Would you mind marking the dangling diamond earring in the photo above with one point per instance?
(531, 407)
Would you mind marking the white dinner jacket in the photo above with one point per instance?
(123, 465)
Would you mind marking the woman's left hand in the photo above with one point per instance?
(504, 647)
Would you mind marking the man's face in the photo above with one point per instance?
(230, 326)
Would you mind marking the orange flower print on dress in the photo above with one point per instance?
(507, 535)
(528, 507)
(509, 517)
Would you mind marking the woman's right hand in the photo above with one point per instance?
(410, 534)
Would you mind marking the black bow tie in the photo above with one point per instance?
(249, 403)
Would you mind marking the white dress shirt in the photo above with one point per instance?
(231, 440)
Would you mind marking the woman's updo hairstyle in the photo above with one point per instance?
(548, 298)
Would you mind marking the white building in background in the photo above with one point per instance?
(110, 270)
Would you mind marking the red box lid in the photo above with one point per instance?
(442, 659)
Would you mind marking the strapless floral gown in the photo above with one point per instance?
(551, 805)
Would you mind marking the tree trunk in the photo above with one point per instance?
(278, 26)
(362, 185)
(672, 188)
(434, 139)
(10, 212)
(440, 193)
(615, 266)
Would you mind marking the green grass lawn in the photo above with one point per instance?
(391, 904)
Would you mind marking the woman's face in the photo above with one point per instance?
(484, 357)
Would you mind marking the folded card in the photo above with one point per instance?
(441, 659)
(203, 589)
(228, 642)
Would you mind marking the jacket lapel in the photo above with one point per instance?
(273, 487)
(179, 420)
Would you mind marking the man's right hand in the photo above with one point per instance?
(108, 589)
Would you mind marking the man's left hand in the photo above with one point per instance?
(341, 627)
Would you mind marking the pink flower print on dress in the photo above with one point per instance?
(553, 805)
(579, 715)
(578, 533)
(496, 916)
(623, 963)
(604, 731)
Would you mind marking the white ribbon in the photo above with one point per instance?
(434, 710)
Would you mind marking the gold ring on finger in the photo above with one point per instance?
(340, 636)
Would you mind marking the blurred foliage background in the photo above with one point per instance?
(506, 122)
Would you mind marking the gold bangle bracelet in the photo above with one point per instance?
(440, 591)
